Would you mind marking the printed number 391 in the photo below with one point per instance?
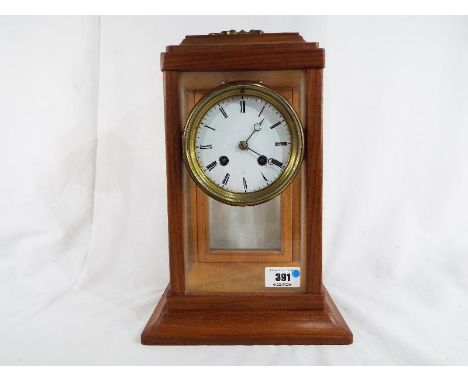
(282, 277)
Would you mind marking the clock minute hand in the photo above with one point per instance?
(256, 127)
(250, 136)
(244, 145)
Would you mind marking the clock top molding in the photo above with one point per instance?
(243, 51)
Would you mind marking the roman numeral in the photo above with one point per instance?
(281, 143)
(205, 147)
(211, 166)
(226, 178)
(208, 127)
(275, 162)
(261, 111)
(245, 184)
(223, 112)
(276, 124)
(242, 106)
(266, 180)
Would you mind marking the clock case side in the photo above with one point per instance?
(181, 318)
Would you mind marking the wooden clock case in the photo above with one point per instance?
(186, 314)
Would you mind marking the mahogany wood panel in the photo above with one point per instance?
(174, 165)
(305, 48)
(244, 57)
(223, 39)
(269, 302)
(314, 163)
(178, 327)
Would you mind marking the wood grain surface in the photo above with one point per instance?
(224, 327)
(204, 317)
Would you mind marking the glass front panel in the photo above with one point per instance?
(228, 249)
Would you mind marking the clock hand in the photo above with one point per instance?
(248, 148)
(256, 127)
(250, 136)
(262, 160)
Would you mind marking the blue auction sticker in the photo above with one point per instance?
(295, 273)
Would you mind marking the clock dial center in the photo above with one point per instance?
(243, 145)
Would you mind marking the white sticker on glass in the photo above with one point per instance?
(282, 277)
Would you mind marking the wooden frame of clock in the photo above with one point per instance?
(204, 303)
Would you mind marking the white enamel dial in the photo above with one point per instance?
(243, 143)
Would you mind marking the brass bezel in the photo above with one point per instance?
(194, 167)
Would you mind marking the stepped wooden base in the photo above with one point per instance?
(313, 327)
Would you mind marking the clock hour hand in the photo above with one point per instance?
(262, 160)
(248, 148)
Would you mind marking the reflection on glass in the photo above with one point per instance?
(254, 228)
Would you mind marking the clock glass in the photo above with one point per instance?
(243, 180)
(243, 144)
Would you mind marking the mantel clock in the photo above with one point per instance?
(243, 118)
